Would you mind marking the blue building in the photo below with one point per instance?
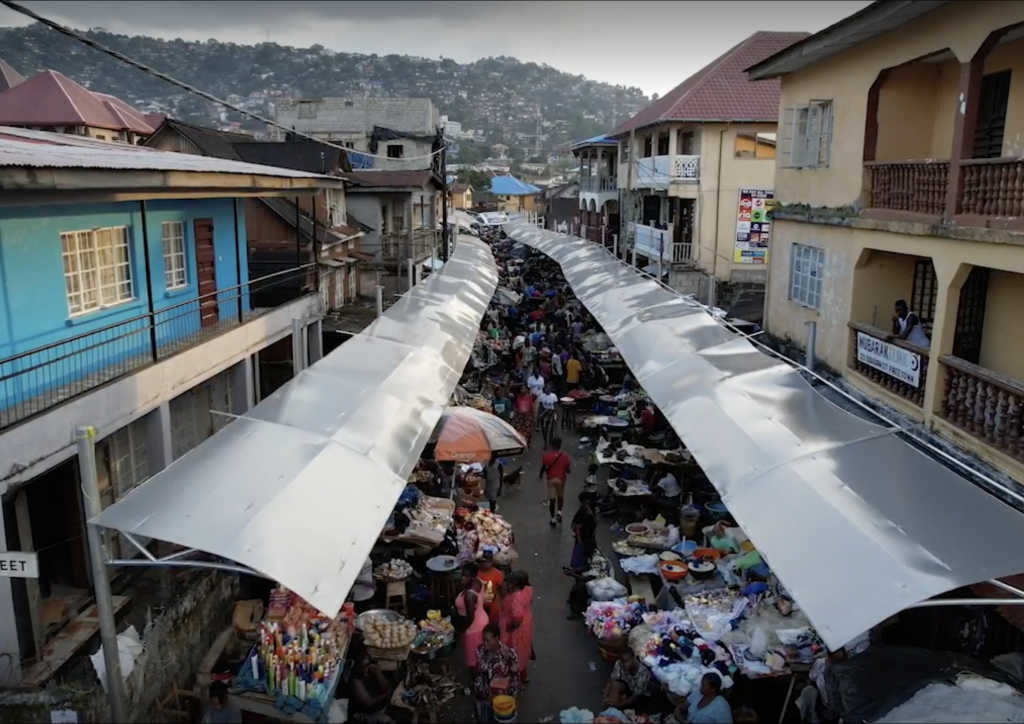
(126, 304)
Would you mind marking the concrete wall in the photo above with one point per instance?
(359, 115)
(176, 640)
(42, 442)
(908, 126)
(33, 299)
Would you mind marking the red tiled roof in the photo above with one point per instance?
(721, 91)
(52, 99)
(9, 77)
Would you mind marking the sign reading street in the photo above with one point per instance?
(19, 565)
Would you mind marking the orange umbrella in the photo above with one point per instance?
(468, 435)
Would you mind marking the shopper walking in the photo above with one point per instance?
(516, 619)
(555, 465)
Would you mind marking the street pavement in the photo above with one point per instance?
(568, 670)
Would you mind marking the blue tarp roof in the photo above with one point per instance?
(602, 140)
(511, 186)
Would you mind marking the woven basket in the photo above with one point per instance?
(399, 654)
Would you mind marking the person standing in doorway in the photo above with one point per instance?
(907, 326)
(556, 465)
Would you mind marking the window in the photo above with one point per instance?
(807, 135)
(335, 208)
(755, 145)
(100, 137)
(175, 274)
(127, 463)
(97, 268)
(805, 279)
(349, 144)
(307, 110)
(395, 150)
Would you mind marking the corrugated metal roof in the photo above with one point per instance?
(300, 487)
(601, 140)
(509, 185)
(9, 77)
(23, 153)
(389, 179)
(883, 526)
(721, 91)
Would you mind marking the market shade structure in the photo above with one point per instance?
(857, 524)
(469, 435)
(300, 487)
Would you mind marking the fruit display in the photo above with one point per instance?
(394, 570)
(384, 634)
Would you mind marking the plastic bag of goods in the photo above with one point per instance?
(605, 589)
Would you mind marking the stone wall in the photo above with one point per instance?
(176, 640)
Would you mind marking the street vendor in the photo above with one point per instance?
(369, 691)
(628, 686)
(497, 672)
(494, 581)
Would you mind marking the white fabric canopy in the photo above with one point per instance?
(857, 524)
(301, 486)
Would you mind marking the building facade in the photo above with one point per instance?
(128, 307)
(899, 178)
(598, 218)
(692, 165)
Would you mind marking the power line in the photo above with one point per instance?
(75, 35)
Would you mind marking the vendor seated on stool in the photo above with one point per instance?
(667, 488)
(221, 710)
(369, 693)
(627, 689)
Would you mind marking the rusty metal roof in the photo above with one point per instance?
(721, 91)
(49, 150)
(389, 179)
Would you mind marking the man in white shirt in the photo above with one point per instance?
(518, 342)
(546, 403)
(535, 382)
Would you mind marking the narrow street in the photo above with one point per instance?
(568, 670)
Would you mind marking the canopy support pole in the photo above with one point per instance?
(934, 602)
(86, 437)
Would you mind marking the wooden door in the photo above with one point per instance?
(988, 133)
(206, 272)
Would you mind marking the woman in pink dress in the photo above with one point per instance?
(470, 606)
(517, 619)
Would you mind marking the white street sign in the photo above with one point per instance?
(19, 565)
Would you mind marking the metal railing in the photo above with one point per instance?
(417, 245)
(598, 184)
(42, 378)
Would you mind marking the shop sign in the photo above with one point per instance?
(897, 362)
(19, 565)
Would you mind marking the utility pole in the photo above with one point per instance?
(626, 235)
(443, 151)
(86, 439)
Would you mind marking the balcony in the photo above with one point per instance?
(598, 184)
(992, 193)
(402, 246)
(651, 242)
(984, 404)
(40, 379)
(682, 253)
(661, 171)
(894, 365)
(908, 188)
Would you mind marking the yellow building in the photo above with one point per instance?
(900, 178)
(514, 195)
(462, 196)
(696, 174)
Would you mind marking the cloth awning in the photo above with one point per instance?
(300, 487)
(857, 524)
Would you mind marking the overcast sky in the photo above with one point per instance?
(653, 45)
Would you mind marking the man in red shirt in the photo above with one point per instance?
(556, 465)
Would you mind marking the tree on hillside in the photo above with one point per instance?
(479, 180)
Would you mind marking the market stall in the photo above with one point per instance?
(295, 665)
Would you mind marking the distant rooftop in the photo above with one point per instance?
(509, 185)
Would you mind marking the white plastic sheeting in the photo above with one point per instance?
(300, 487)
(857, 524)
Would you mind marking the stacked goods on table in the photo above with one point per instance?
(612, 620)
(677, 655)
(424, 690)
(481, 530)
(384, 632)
(436, 635)
(394, 570)
(611, 715)
(419, 518)
(299, 655)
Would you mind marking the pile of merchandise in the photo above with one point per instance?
(299, 655)
(435, 632)
(677, 655)
(610, 620)
(575, 715)
(481, 530)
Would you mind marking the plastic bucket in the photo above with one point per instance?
(504, 718)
